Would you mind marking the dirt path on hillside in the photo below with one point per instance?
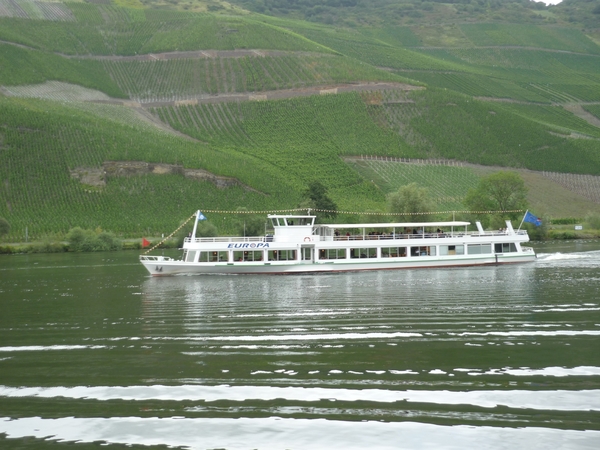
(196, 54)
(507, 47)
(574, 108)
(578, 110)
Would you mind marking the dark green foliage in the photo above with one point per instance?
(80, 240)
(250, 224)
(566, 221)
(206, 229)
(4, 226)
(318, 198)
(537, 233)
(411, 203)
(592, 220)
(355, 12)
(501, 191)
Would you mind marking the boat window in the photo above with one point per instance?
(332, 253)
(213, 256)
(189, 257)
(452, 250)
(479, 249)
(367, 252)
(249, 255)
(307, 254)
(422, 251)
(274, 221)
(393, 252)
(505, 247)
(282, 255)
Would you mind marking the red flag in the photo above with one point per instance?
(145, 243)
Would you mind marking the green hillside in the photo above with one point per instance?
(131, 118)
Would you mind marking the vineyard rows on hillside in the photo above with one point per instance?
(586, 185)
(184, 78)
(39, 192)
(55, 90)
(31, 9)
(187, 104)
(447, 185)
(567, 39)
(108, 30)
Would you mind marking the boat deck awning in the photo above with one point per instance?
(338, 226)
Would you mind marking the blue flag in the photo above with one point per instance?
(201, 216)
(532, 219)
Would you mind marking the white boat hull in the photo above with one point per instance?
(167, 266)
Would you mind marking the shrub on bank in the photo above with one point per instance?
(80, 240)
(45, 246)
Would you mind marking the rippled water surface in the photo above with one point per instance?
(93, 351)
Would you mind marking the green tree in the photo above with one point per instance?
(411, 203)
(498, 197)
(206, 229)
(250, 224)
(316, 198)
(592, 220)
(4, 226)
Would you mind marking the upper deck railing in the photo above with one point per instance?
(358, 237)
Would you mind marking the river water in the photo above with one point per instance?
(94, 351)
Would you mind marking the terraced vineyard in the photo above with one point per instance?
(45, 198)
(506, 95)
(447, 184)
(31, 9)
(503, 73)
(178, 79)
(108, 30)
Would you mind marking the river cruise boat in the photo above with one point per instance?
(298, 245)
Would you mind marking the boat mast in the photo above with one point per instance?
(195, 224)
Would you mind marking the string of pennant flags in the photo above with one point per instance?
(215, 211)
(171, 235)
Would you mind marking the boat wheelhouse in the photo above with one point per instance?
(298, 245)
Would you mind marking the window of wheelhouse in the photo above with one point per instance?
(505, 247)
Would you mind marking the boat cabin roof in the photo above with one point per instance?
(396, 225)
(289, 220)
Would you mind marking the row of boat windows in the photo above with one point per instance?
(354, 253)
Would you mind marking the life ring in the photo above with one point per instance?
(307, 239)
